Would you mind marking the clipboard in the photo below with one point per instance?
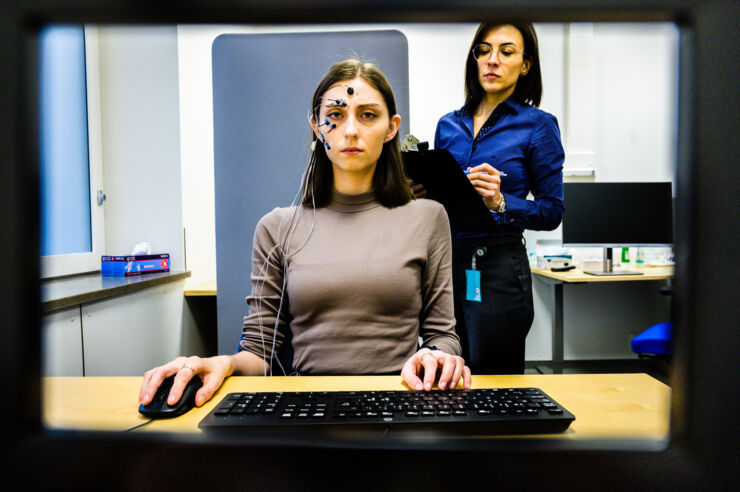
(446, 183)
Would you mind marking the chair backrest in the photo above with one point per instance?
(262, 137)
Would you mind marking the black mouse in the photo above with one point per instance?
(158, 408)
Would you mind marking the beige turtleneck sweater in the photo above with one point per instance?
(359, 292)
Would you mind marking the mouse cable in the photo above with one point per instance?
(139, 426)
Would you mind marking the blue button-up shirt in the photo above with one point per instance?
(521, 141)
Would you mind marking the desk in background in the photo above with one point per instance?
(201, 301)
(204, 290)
(606, 406)
(576, 276)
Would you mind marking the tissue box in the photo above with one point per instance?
(549, 261)
(123, 266)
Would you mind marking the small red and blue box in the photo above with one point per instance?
(124, 266)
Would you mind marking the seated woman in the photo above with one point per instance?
(357, 272)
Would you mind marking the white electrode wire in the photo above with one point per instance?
(285, 277)
(260, 287)
(283, 246)
(287, 254)
(262, 275)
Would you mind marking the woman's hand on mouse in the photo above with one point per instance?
(212, 370)
(487, 182)
(445, 368)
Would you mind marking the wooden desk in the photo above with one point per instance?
(631, 406)
(207, 289)
(576, 276)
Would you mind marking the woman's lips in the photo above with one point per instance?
(351, 151)
(492, 76)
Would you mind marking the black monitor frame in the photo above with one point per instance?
(617, 214)
(615, 209)
(701, 452)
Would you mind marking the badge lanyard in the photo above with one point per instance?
(472, 277)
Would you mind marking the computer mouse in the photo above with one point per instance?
(158, 408)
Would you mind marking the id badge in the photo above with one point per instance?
(472, 279)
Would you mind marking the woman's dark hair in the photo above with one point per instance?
(529, 87)
(389, 181)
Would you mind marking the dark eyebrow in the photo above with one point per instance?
(368, 105)
(506, 43)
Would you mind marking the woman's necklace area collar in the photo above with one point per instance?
(344, 202)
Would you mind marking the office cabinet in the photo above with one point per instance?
(123, 335)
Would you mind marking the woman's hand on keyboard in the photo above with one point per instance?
(212, 370)
(437, 365)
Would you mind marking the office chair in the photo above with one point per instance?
(656, 340)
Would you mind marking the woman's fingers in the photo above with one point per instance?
(213, 376)
(483, 168)
(448, 369)
(410, 376)
(467, 378)
(154, 377)
(457, 374)
(186, 372)
(429, 362)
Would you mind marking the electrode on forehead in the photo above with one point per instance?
(339, 102)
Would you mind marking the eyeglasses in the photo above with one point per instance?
(505, 54)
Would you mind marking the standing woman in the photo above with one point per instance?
(510, 149)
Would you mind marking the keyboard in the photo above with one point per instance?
(474, 411)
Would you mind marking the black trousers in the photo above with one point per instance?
(492, 332)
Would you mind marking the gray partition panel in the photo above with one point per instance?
(262, 88)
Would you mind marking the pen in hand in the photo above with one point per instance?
(500, 174)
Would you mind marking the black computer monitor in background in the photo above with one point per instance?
(617, 215)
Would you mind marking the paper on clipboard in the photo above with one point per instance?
(446, 183)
